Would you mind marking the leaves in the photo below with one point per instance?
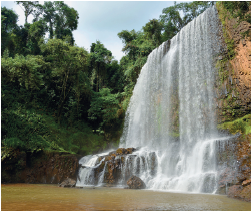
(27, 71)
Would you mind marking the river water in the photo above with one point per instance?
(50, 197)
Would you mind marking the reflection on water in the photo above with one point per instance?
(50, 197)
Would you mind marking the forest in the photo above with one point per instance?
(59, 97)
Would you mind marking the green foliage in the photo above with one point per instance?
(221, 64)
(28, 7)
(68, 71)
(61, 19)
(65, 21)
(23, 129)
(36, 34)
(241, 125)
(238, 9)
(105, 106)
(8, 24)
(26, 71)
(174, 18)
(152, 31)
(100, 57)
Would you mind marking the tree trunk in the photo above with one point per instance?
(51, 31)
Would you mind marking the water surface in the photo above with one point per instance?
(50, 197)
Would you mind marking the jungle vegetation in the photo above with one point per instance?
(57, 96)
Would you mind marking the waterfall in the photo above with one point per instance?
(86, 175)
(171, 120)
(172, 109)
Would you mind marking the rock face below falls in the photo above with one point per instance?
(117, 167)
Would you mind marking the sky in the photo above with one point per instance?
(103, 20)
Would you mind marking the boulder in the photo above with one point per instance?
(135, 183)
(123, 151)
(68, 183)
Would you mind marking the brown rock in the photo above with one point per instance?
(235, 191)
(240, 192)
(135, 183)
(246, 193)
(68, 183)
(123, 151)
(246, 182)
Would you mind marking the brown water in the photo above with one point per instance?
(51, 197)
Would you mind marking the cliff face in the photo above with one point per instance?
(47, 168)
(234, 81)
(233, 90)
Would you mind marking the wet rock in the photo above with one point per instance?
(135, 183)
(123, 151)
(246, 182)
(153, 163)
(68, 183)
(112, 153)
(240, 192)
(234, 191)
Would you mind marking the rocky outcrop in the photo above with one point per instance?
(233, 99)
(233, 85)
(47, 168)
(136, 183)
(234, 160)
(68, 183)
(113, 163)
(240, 192)
(118, 166)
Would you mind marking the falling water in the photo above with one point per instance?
(172, 113)
(86, 173)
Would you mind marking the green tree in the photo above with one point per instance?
(99, 58)
(104, 110)
(49, 11)
(28, 7)
(62, 19)
(66, 21)
(173, 21)
(68, 64)
(36, 32)
(8, 24)
(25, 71)
(153, 30)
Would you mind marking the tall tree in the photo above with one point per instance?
(153, 30)
(100, 57)
(49, 11)
(68, 69)
(8, 24)
(61, 18)
(28, 7)
(174, 18)
(66, 21)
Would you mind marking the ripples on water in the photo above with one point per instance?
(50, 197)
